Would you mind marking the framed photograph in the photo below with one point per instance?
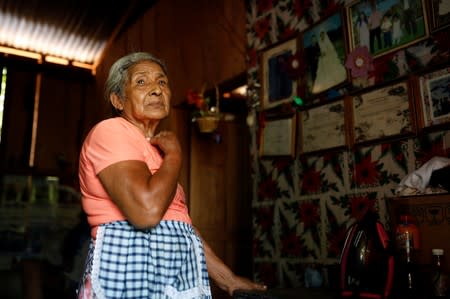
(386, 112)
(439, 14)
(386, 25)
(276, 85)
(434, 98)
(278, 137)
(322, 127)
(324, 48)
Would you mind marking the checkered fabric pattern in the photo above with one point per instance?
(163, 262)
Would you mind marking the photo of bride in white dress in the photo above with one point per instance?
(330, 69)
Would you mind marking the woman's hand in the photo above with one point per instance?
(224, 277)
(243, 284)
(167, 142)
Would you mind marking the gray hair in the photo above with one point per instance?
(118, 73)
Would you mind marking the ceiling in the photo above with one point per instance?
(78, 31)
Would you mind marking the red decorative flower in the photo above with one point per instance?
(196, 99)
(360, 62)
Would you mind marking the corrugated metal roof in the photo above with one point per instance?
(76, 30)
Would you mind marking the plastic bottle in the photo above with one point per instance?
(439, 279)
(408, 243)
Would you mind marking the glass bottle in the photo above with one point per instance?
(439, 279)
(408, 242)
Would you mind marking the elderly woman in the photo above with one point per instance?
(143, 242)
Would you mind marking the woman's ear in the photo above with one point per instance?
(116, 102)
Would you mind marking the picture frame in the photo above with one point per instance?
(278, 137)
(434, 98)
(324, 47)
(276, 86)
(382, 113)
(323, 127)
(402, 23)
(439, 14)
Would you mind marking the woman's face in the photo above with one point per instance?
(147, 93)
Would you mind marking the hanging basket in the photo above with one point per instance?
(208, 123)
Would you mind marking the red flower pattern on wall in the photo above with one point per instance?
(291, 244)
(288, 32)
(311, 181)
(268, 189)
(262, 27)
(336, 179)
(336, 239)
(252, 57)
(264, 6)
(309, 214)
(366, 171)
(301, 9)
(359, 206)
(264, 218)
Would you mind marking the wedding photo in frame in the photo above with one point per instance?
(434, 98)
(439, 14)
(383, 113)
(324, 48)
(386, 25)
(278, 137)
(322, 127)
(276, 85)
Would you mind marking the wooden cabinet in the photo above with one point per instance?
(432, 214)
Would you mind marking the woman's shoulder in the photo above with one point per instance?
(113, 121)
(111, 124)
(110, 128)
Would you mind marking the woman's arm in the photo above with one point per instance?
(144, 197)
(224, 277)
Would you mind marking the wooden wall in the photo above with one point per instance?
(201, 41)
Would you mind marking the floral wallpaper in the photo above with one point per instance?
(302, 206)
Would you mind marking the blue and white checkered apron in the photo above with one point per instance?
(164, 262)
